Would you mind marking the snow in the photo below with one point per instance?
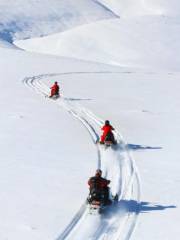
(130, 8)
(48, 147)
(25, 19)
(151, 43)
(5, 44)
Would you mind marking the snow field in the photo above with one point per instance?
(143, 103)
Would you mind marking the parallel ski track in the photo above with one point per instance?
(92, 123)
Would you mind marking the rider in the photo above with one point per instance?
(99, 184)
(54, 90)
(107, 129)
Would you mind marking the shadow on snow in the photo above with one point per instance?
(132, 206)
(136, 147)
(145, 207)
(77, 99)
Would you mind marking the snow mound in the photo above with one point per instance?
(26, 19)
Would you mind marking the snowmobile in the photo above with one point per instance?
(110, 140)
(55, 96)
(98, 200)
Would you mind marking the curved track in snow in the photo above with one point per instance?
(119, 220)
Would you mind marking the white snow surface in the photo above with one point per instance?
(48, 147)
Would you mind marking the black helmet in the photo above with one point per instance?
(107, 122)
(98, 172)
(55, 82)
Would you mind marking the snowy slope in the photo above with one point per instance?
(24, 19)
(128, 41)
(130, 8)
(151, 43)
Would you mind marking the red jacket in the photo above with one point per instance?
(55, 89)
(106, 129)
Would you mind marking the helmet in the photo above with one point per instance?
(55, 82)
(98, 172)
(107, 122)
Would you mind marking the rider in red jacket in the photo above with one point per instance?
(54, 89)
(107, 128)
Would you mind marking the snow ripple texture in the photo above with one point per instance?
(118, 221)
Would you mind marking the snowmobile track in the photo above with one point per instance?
(114, 226)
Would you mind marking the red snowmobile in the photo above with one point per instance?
(107, 137)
